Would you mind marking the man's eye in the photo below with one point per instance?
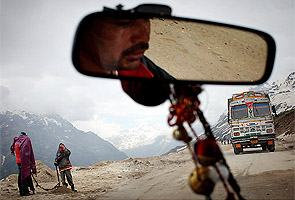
(124, 23)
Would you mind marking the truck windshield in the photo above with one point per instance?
(261, 109)
(239, 112)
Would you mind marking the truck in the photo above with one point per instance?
(250, 116)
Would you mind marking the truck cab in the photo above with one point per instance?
(251, 121)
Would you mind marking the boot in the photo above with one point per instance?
(73, 188)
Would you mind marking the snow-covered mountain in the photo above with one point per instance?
(221, 129)
(282, 94)
(144, 141)
(46, 132)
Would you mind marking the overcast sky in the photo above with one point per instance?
(37, 74)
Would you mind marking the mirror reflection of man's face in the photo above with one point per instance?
(121, 42)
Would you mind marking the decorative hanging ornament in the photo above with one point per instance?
(200, 181)
(222, 171)
(210, 165)
(207, 151)
(181, 134)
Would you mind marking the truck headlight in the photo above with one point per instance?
(236, 133)
(269, 130)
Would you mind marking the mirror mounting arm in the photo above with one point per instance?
(119, 7)
(155, 9)
(159, 9)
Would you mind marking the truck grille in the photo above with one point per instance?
(251, 130)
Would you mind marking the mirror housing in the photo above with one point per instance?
(180, 49)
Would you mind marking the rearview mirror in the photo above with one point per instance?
(140, 44)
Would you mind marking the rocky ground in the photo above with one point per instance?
(166, 177)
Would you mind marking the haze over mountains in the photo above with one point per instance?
(144, 141)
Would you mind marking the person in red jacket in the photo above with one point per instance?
(23, 151)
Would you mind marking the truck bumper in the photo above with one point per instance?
(266, 142)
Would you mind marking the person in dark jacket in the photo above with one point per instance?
(23, 151)
(62, 160)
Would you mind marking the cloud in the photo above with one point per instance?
(107, 128)
(4, 91)
(4, 97)
(37, 74)
(101, 127)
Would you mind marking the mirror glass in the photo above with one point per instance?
(168, 49)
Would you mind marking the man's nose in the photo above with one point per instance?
(141, 31)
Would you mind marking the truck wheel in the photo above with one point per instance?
(236, 151)
(271, 148)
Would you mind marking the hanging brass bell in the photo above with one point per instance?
(200, 181)
(181, 134)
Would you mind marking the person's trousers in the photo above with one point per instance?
(24, 186)
(66, 173)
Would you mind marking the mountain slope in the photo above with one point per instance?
(282, 94)
(46, 132)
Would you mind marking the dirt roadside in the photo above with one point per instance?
(173, 183)
(166, 177)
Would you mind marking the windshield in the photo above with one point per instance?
(261, 109)
(239, 112)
